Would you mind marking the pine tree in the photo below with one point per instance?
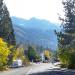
(32, 54)
(67, 36)
(6, 29)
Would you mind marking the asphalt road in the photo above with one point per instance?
(39, 69)
(34, 68)
(50, 69)
(16, 71)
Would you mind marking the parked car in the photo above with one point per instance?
(16, 63)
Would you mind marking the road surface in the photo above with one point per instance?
(39, 69)
(42, 68)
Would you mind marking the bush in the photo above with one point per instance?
(4, 52)
(63, 66)
(72, 61)
(26, 61)
(67, 59)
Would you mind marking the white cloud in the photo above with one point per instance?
(43, 9)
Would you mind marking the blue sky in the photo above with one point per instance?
(41, 9)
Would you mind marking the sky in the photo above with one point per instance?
(41, 9)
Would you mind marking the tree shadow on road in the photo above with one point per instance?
(56, 71)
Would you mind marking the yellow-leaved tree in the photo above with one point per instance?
(19, 54)
(47, 54)
(4, 52)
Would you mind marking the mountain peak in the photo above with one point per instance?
(35, 23)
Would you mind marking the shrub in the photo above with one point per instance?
(4, 52)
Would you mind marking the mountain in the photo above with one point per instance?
(35, 23)
(35, 31)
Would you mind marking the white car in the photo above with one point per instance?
(17, 63)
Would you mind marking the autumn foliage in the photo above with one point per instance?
(4, 52)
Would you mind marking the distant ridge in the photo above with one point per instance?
(36, 31)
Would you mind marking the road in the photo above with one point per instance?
(42, 68)
(16, 71)
(50, 69)
(39, 69)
